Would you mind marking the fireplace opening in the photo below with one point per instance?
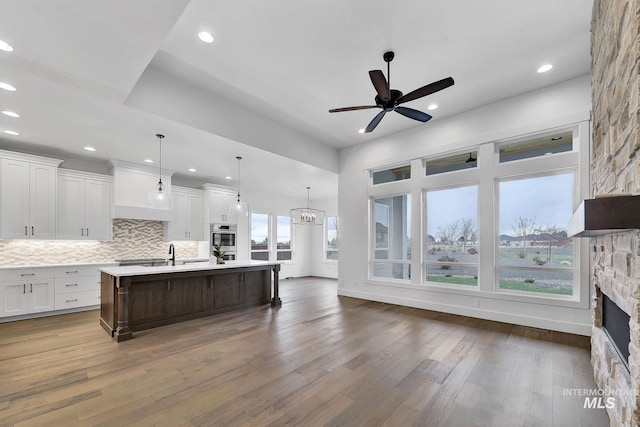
(615, 323)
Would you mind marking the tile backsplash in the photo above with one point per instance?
(132, 238)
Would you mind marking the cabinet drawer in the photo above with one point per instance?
(26, 274)
(77, 299)
(67, 272)
(77, 284)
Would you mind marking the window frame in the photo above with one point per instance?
(269, 240)
(291, 230)
(489, 168)
(326, 239)
(373, 240)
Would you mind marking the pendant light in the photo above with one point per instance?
(237, 207)
(160, 198)
(307, 216)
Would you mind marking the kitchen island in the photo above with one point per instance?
(136, 298)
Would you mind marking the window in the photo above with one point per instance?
(331, 229)
(536, 147)
(392, 231)
(452, 235)
(283, 238)
(534, 253)
(259, 236)
(452, 163)
(389, 175)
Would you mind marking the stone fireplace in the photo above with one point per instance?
(615, 168)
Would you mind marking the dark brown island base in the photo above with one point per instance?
(136, 298)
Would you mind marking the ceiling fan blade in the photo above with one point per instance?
(413, 114)
(426, 90)
(380, 83)
(360, 107)
(372, 125)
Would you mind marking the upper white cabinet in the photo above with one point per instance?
(188, 215)
(28, 194)
(218, 200)
(84, 206)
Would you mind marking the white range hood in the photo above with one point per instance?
(132, 184)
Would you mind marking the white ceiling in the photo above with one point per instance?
(87, 74)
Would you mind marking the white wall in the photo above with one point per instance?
(555, 106)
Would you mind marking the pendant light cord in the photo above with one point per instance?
(238, 186)
(160, 145)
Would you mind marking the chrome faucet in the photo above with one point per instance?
(172, 252)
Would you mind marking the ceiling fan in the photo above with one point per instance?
(390, 99)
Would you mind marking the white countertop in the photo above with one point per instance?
(137, 270)
(71, 264)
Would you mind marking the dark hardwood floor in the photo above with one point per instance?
(318, 360)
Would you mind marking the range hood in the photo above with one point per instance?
(605, 215)
(132, 184)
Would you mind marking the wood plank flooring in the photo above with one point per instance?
(319, 360)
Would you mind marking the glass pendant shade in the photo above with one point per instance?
(159, 197)
(308, 215)
(238, 208)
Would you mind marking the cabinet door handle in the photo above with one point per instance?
(32, 230)
(71, 284)
(72, 300)
(71, 271)
(24, 288)
(27, 274)
(30, 288)
(82, 232)
(87, 232)
(25, 231)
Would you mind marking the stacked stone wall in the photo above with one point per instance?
(615, 168)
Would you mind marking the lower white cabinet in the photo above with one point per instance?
(34, 290)
(24, 291)
(77, 287)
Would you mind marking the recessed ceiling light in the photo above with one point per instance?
(432, 107)
(361, 131)
(5, 46)
(89, 148)
(205, 37)
(11, 114)
(192, 170)
(11, 132)
(227, 177)
(545, 68)
(7, 86)
(148, 160)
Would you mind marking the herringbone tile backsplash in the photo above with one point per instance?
(132, 238)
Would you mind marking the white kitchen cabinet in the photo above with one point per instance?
(28, 187)
(218, 200)
(77, 286)
(84, 206)
(187, 222)
(26, 291)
